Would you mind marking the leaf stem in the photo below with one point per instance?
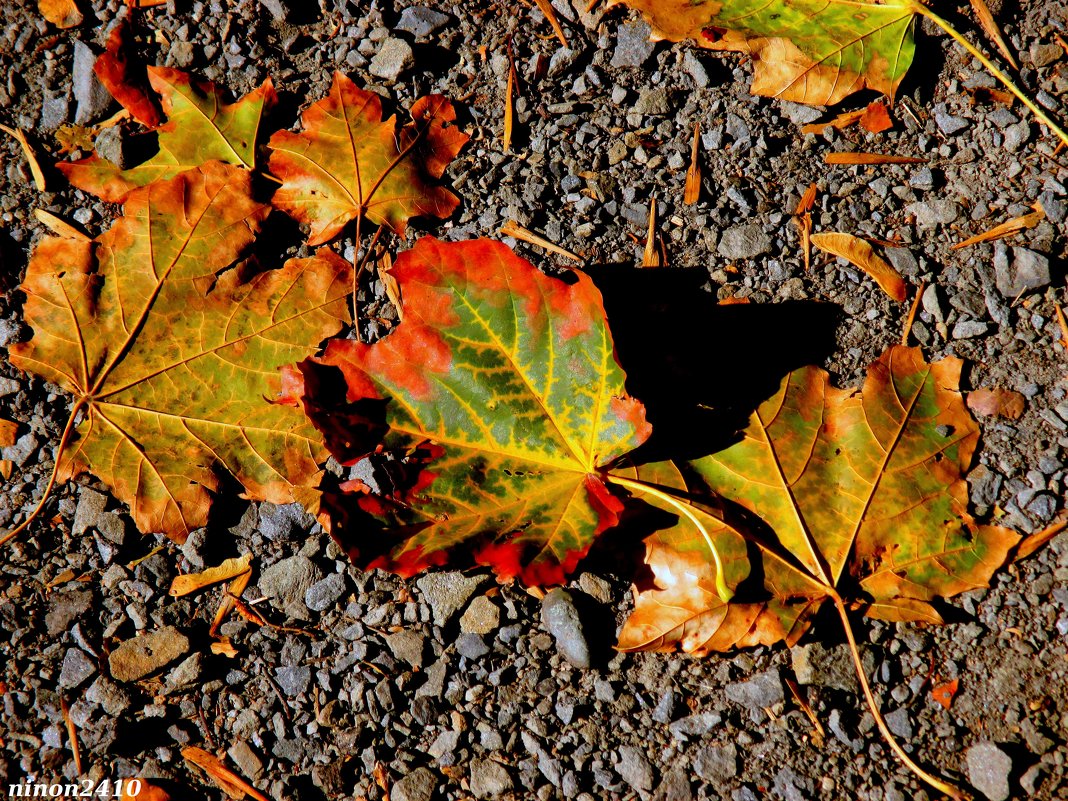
(1041, 115)
(722, 590)
(62, 446)
(935, 782)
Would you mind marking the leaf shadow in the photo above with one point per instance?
(701, 368)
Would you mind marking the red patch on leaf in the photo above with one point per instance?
(506, 558)
(126, 78)
(411, 561)
(876, 118)
(632, 412)
(607, 505)
(944, 693)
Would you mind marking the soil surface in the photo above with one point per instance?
(448, 686)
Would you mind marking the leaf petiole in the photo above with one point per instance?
(722, 590)
(1041, 115)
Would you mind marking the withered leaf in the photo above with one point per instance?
(172, 353)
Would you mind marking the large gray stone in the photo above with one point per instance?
(448, 593)
(1027, 270)
(489, 779)
(91, 97)
(561, 619)
(287, 582)
(759, 691)
(393, 58)
(419, 785)
(633, 47)
(934, 212)
(420, 21)
(77, 668)
(988, 770)
(744, 242)
(144, 655)
(635, 768)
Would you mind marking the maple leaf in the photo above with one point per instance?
(808, 51)
(507, 379)
(172, 355)
(200, 127)
(855, 494)
(122, 74)
(349, 164)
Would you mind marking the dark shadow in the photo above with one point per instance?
(701, 368)
(599, 625)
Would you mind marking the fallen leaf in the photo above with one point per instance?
(653, 255)
(944, 693)
(860, 254)
(996, 403)
(348, 163)
(693, 174)
(808, 51)
(7, 467)
(509, 99)
(803, 221)
(74, 137)
(871, 158)
(231, 783)
(123, 75)
(223, 647)
(873, 118)
(172, 353)
(60, 227)
(199, 128)
(502, 390)
(855, 491)
(8, 432)
(30, 156)
(1007, 228)
(61, 13)
(226, 605)
(191, 582)
(546, 9)
(1032, 542)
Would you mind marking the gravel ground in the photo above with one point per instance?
(448, 686)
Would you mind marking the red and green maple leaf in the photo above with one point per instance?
(507, 378)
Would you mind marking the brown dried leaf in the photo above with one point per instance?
(1007, 228)
(8, 433)
(996, 403)
(60, 227)
(986, 20)
(191, 582)
(231, 783)
(871, 158)
(860, 254)
(61, 13)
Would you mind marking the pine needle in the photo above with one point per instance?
(546, 8)
(27, 151)
(517, 231)
(509, 93)
(986, 20)
(871, 158)
(803, 221)
(912, 315)
(693, 174)
(72, 734)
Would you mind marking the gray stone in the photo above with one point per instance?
(665, 707)
(635, 768)
(675, 786)
(1028, 270)
(948, 124)
(1016, 135)
(186, 673)
(717, 763)
(482, 617)
(293, 679)
(408, 646)
(489, 779)
(899, 723)
(693, 67)
(109, 696)
(695, 725)
(988, 770)
(744, 242)
(448, 593)
(89, 512)
(435, 680)
(55, 111)
(800, 114)
(903, 261)
(144, 655)
(77, 668)
(287, 582)
(420, 21)
(444, 744)
(967, 329)
(247, 760)
(595, 587)
(419, 785)
(471, 646)
(279, 9)
(324, 594)
(934, 212)
(759, 691)
(561, 619)
(932, 304)
(284, 523)
(393, 58)
(815, 664)
(112, 145)
(789, 786)
(66, 607)
(91, 97)
(652, 101)
(633, 47)
(9, 386)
